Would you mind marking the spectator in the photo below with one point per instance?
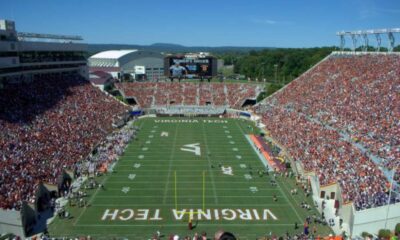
(150, 94)
(332, 118)
(47, 125)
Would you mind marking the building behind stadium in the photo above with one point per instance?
(129, 64)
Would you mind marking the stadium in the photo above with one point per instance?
(176, 157)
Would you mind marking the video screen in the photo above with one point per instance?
(195, 67)
(191, 68)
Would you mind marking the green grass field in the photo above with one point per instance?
(155, 177)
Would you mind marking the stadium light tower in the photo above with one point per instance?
(262, 66)
(378, 41)
(354, 40)
(391, 41)
(276, 72)
(364, 34)
(365, 37)
(342, 42)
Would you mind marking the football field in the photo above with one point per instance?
(181, 168)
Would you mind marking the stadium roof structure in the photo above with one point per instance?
(124, 58)
(113, 54)
(25, 36)
(363, 34)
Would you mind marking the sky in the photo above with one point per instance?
(263, 23)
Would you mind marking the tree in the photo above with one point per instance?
(289, 62)
(366, 234)
(397, 229)
(273, 88)
(384, 234)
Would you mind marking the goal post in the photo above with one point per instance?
(203, 204)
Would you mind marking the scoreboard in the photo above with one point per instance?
(196, 67)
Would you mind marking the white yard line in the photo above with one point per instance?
(290, 203)
(170, 164)
(186, 170)
(292, 196)
(216, 153)
(279, 187)
(191, 188)
(243, 133)
(264, 224)
(250, 205)
(90, 200)
(97, 190)
(209, 166)
(190, 196)
(194, 182)
(159, 160)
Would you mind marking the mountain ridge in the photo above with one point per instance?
(171, 48)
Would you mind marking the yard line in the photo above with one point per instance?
(216, 154)
(287, 190)
(243, 133)
(209, 166)
(290, 203)
(159, 165)
(150, 159)
(97, 190)
(190, 196)
(279, 187)
(263, 225)
(191, 188)
(216, 151)
(170, 163)
(194, 182)
(90, 200)
(249, 205)
(245, 170)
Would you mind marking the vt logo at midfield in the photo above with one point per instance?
(194, 148)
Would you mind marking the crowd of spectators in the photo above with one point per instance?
(149, 94)
(190, 110)
(48, 124)
(341, 120)
(109, 149)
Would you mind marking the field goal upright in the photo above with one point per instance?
(191, 213)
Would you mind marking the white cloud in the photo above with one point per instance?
(264, 21)
(387, 10)
(267, 21)
(370, 8)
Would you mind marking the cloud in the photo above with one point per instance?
(387, 10)
(367, 13)
(374, 12)
(366, 9)
(369, 9)
(266, 21)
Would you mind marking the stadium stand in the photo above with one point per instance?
(46, 125)
(152, 94)
(190, 110)
(341, 120)
(266, 151)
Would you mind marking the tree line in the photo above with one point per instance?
(279, 66)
